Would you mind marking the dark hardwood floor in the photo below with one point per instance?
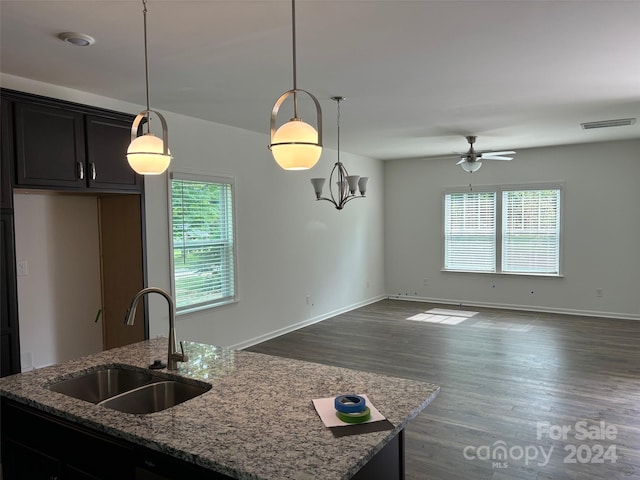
(508, 379)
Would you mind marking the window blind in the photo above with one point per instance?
(470, 231)
(531, 231)
(203, 243)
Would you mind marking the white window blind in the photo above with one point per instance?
(203, 242)
(531, 231)
(470, 231)
(504, 229)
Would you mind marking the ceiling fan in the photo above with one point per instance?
(470, 161)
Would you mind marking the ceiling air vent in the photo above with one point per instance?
(619, 122)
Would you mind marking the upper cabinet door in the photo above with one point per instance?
(6, 155)
(107, 143)
(50, 148)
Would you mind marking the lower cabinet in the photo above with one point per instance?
(38, 446)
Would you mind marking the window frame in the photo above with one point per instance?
(193, 176)
(498, 190)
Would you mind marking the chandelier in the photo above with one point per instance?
(345, 185)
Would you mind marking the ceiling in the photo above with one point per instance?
(418, 75)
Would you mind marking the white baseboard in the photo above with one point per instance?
(445, 301)
(296, 326)
(528, 308)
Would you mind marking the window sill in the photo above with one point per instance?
(201, 308)
(514, 274)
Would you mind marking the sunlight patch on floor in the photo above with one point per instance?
(443, 316)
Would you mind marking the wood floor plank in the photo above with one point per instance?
(501, 373)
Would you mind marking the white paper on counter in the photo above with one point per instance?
(327, 411)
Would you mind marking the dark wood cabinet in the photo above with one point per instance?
(9, 335)
(36, 445)
(49, 146)
(66, 146)
(6, 155)
(107, 141)
(55, 145)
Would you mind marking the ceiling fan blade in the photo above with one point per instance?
(492, 157)
(461, 161)
(491, 154)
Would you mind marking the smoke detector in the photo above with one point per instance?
(77, 39)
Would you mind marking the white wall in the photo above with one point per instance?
(57, 235)
(289, 245)
(601, 230)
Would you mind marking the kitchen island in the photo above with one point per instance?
(256, 422)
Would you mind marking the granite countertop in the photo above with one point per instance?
(257, 422)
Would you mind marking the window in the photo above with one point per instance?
(203, 241)
(503, 230)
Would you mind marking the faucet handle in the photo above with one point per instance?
(184, 356)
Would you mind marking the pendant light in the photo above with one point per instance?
(148, 154)
(346, 185)
(296, 145)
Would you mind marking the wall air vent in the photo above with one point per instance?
(618, 122)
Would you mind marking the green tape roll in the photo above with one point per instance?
(359, 417)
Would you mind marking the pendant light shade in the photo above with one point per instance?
(148, 154)
(296, 145)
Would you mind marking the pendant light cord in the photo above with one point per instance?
(295, 79)
(146, 64)
(338, 117)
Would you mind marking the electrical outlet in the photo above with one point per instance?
(22, 268)
(308, 299)
(425, 282)
(599, 292)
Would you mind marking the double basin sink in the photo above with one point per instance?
(129, 390)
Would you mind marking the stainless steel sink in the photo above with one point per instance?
(155, 397)
(104, 383)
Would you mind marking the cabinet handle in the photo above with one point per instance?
(93, 170)
(80, 168)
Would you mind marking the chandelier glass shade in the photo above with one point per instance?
(148, 154)
(346, 186)
(295, 145)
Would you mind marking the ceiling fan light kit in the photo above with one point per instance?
(470, 161)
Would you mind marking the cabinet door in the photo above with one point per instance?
(10, 341)
(49, 146)
(107, 143)
(23, 463)
(6, 155)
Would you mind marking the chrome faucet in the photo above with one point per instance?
(173, 356)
